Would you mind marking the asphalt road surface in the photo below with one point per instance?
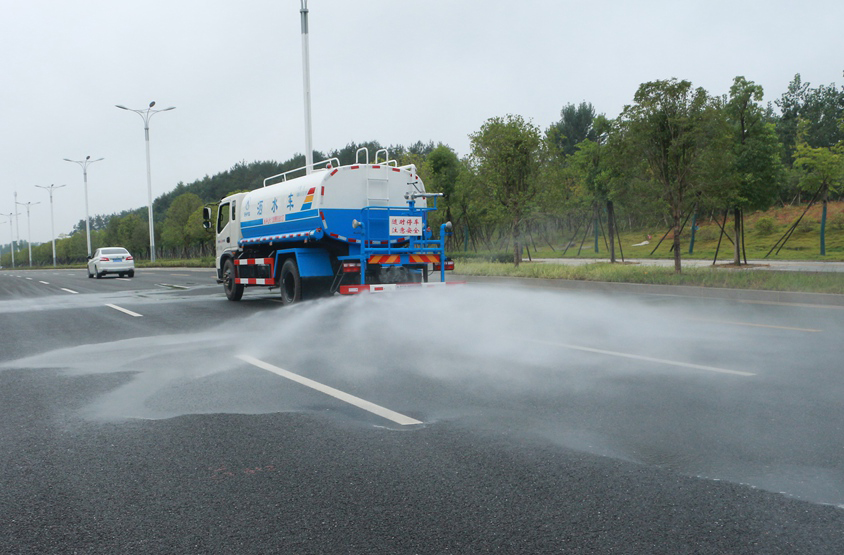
(150, 415)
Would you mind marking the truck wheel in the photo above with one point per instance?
(234, 291)
(290, 282)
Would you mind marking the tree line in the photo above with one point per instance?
(675, 150)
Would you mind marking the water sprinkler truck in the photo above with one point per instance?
(337, 229)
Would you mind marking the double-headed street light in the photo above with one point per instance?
(146, 115)
(84, 165)
(28, 228)
(52, 228)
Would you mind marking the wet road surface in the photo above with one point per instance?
(136, 420)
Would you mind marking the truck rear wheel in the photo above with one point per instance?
(290, 282)
(234, 291)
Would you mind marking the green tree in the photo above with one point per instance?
(755, 170)
(508, 154)
(175, 234)
(133, 234)
(670, 125)
(574, 127)
(823, 172)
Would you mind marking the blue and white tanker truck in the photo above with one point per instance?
(338, 229)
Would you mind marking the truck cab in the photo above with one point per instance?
(227, 230)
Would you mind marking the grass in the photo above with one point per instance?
(804, 243)
(627, 273)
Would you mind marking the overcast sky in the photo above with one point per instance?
(393, 71)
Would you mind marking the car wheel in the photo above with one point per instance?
(90, 275)
(131, 273)
(121, 274)
(97, 272)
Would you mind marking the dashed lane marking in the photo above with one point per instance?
(751, 324)
(336, 393)
(123, 310)
(69, 290)
(649, 359)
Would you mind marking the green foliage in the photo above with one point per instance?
(574, 127)
(765, 225)
(508, 153)
(670, 125)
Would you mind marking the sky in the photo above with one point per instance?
(395, 72)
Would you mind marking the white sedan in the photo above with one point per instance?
(111, 260)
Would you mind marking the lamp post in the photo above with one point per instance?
(306, 78)
(28, 229)
(84, 165)
(146, 115)
(52, 228)
(12, 237)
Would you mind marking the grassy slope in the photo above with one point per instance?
(804, 243)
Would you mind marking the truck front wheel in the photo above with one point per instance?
(234, 291)
(291, 283)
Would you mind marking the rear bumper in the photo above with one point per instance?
(384, 287)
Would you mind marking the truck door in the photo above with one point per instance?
(224, 230)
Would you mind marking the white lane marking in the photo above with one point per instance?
(121, 309)
(44, 282)
(69, 290)
(171, 286)
(336, 393)
(649, 359)
(788, 328)
(30, 279)
(801, 305)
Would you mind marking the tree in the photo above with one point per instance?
(441, 169)
(508, 153)
(822, 171)
(175, 234)
(822, 107)
(755, 170)
(574, 127)
(669, 125)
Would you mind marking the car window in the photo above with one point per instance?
(115, 251)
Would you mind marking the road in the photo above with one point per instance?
(150, 415)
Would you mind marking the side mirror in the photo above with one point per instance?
(206, 224)
(206, 214)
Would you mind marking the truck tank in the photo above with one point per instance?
(327, 202)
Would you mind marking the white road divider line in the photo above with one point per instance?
(336, 393)
(751, 324)
(123, 310)
(649, 359)
(69, 290)
(44, 282)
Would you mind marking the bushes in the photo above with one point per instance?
(765, 225)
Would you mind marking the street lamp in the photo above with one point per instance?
(52, 228)
(306, 79)
(28, 229)
(146, 115)
(84, 165)
(11, 235)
